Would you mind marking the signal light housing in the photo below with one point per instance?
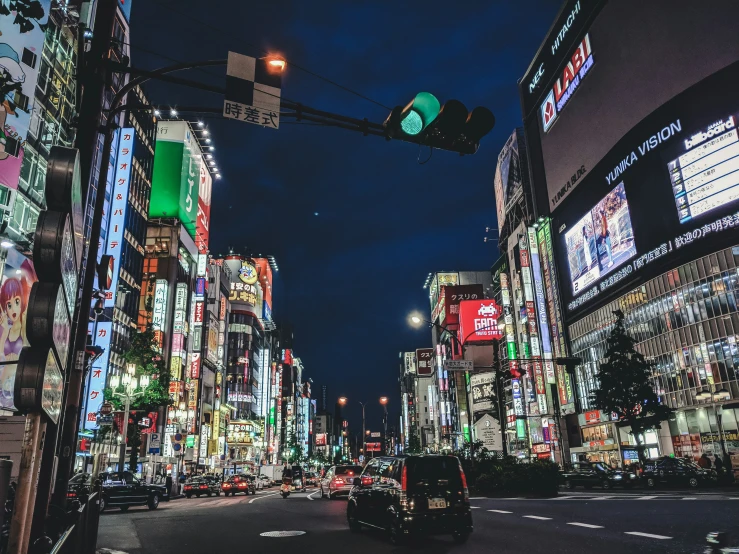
(449, 127)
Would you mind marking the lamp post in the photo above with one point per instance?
(342, 401)
(132, 388)
(383, 402)
(713, 398)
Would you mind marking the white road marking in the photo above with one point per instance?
(690, 498)
(310, 496)
(602, 498)
(588, 525)
(538, 517)
(478, 498)
(648, 535)
(500, 511)
(265, 496)
(647, 497)
(564, 497)
(475, 507)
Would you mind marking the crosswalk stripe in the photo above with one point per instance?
(588, 525)
(647, 497)
(647, 535)
(539, 517)
(500, 511)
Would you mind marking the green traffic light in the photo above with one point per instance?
(419, 113)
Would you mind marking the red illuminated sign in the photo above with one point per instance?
(424, 363)
(287, 357)
(373, 447)
(478, 321)
(195, 365)
(199, 311)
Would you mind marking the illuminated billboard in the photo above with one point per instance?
(601, 70)
(478, 321)
(601, 241)
(678, 169)
(202, 226)
(175, 181)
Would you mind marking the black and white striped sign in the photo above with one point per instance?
(252, 91)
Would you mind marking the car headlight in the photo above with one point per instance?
(618, 477)
(632, 476)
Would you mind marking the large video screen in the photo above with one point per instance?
(601, 241)
(666, 193)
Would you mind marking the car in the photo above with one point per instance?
(264, 480)
(338, 481)
(412, 496)
(123, 490)
(594, 474)
(667, 470)
(239, 483)
(258, 483)
(311, 478)
(197, 486)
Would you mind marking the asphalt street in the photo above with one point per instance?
(574, 522)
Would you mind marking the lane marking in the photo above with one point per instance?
(565, 497)
(265, 496)
(646, 497)
(478, 498)
(602, 498)
(647, 535)
(538, 517)
(690, 498)
(474, 507)
(587, 525)
(500, 511)
(310, 496)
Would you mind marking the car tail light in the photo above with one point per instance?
(338, 481)
(404, 488)
(366, 480)
(203, 486)
(71, 495)
(464, 484)
(226, 486)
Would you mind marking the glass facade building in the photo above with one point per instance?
(686, 323)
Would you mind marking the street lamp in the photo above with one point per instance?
(132, 388)
(383, 402)
(343, 400)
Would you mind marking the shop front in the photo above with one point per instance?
(710, 430)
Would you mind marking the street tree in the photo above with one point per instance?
(143, 352)
(414, 444)
(625, 388)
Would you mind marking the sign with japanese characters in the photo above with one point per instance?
(97, 376)
(252, 91)
(159, 311)
(424, 361)
(453, 296)
(118, 206)
(202, 227)
(481, 391)
(241, 292)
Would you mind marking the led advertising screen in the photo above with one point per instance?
(666, 193)
(601, 241)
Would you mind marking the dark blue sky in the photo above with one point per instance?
(349, 276)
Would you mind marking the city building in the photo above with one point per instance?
(671, 271)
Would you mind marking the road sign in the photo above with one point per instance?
(106, 408)
(253, 89)
(375, 435)
(459, 365)
(155, 443)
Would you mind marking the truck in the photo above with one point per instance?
(273, 473)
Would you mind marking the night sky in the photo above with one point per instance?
(350, 275)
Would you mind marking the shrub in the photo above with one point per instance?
(511, 476)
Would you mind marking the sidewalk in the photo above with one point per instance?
(720, 489)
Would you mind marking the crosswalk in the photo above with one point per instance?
(216, 502)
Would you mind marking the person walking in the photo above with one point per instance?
(182, 478)
(705, 461)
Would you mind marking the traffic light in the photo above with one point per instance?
(449, 127)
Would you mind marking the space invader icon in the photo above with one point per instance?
(487, 310)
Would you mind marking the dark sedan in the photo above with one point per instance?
(589, 474)
(677, 471)
(120, 490)
(239, 483)
(199, 485)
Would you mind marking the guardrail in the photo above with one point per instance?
(81, 533)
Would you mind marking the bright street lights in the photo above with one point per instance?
(343, 400)
(132, 388)
(383, 402)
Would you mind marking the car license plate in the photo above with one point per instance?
(437, 503)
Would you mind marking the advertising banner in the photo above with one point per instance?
(682, 158)
(478, 321)
(176, 176)
(409, 362)
(21, 45)
(509, 176)
(453, 296)
(159, 310)
(118, 206)
(202, 235)
(98, 374)
(482, 392)
(424, 361)
(487, 430)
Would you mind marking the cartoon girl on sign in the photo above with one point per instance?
(13, 304)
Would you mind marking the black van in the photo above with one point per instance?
(412, 495)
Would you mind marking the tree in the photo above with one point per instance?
(143, 352)
(295, 452)
(414, 444)
(625, 389)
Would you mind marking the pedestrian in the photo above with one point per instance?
(182, 478)
(719, 464)
(704, 461)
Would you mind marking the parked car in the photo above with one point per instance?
(123, 490)
(339, 481)
(239, 483)
(593, 474)
(197, 486)
(677, 471)
(412, 495)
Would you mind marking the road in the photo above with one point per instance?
(574, 522)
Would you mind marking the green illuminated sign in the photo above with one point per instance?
(176, 175)
(190, 441)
